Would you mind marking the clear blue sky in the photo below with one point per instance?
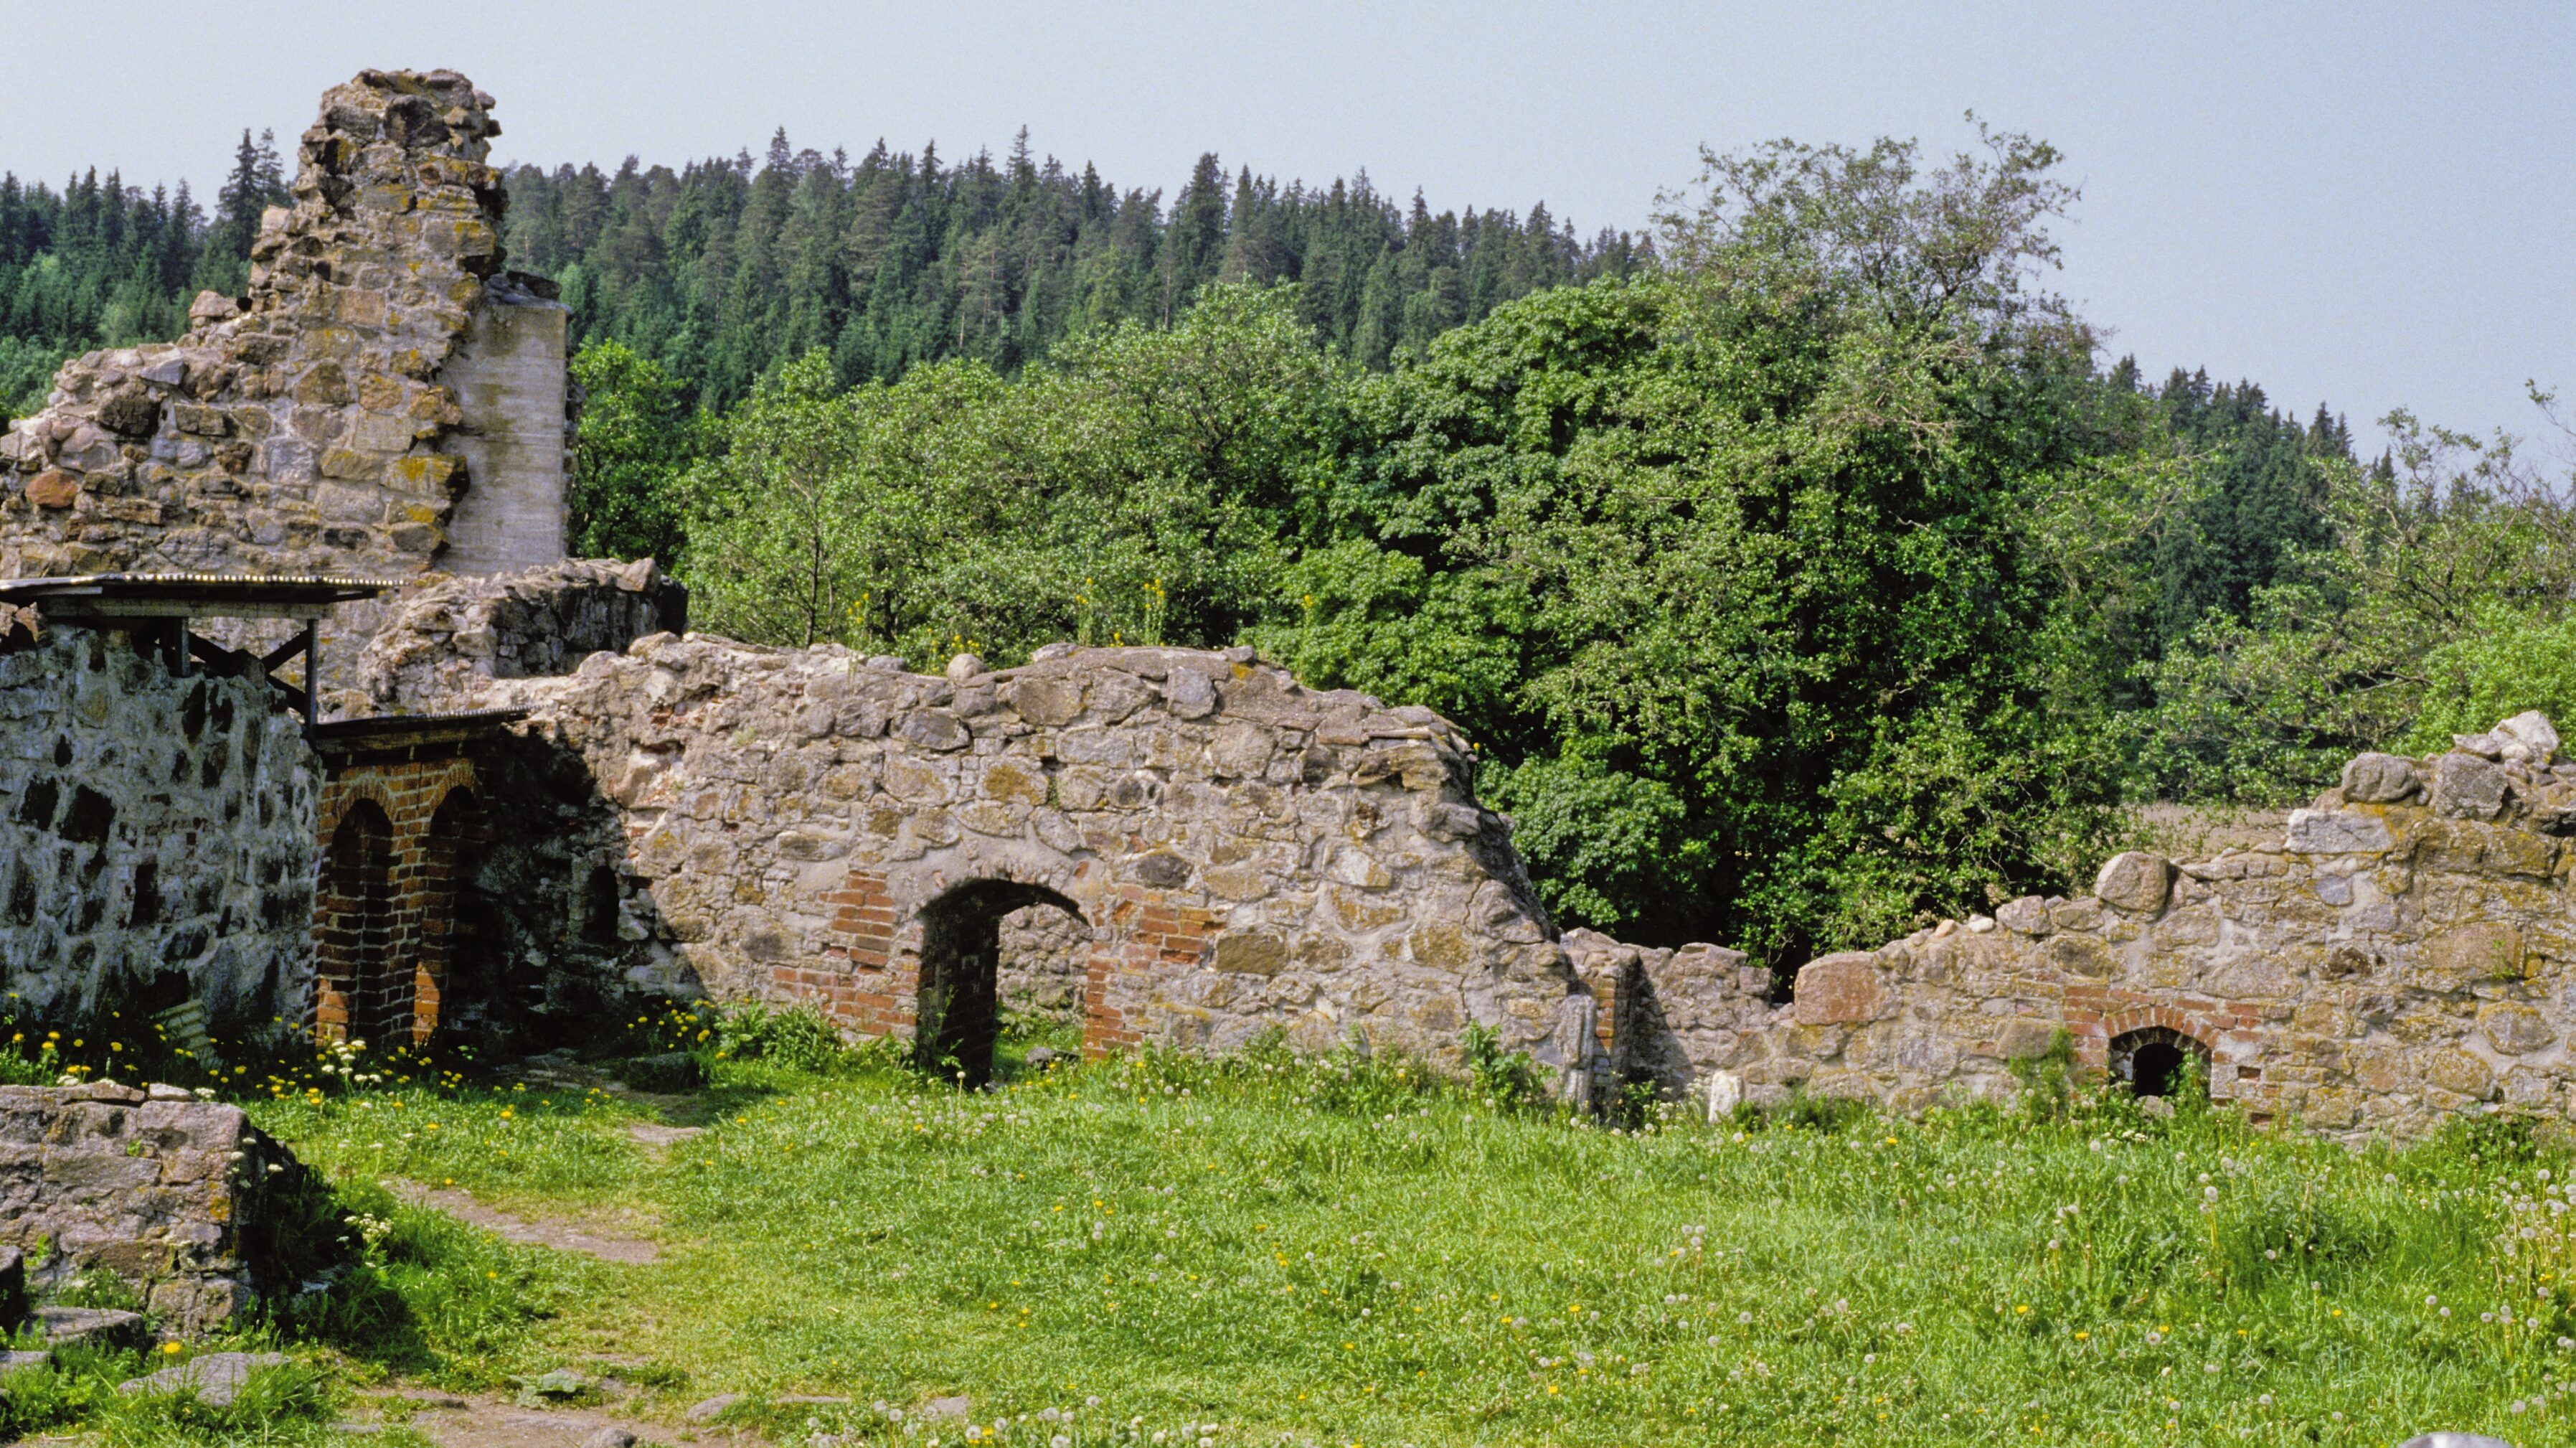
(2365, 204)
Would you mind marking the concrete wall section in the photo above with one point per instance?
(508, 376)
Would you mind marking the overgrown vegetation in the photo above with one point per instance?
(1352, 1249)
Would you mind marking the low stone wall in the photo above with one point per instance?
(1243, 854)
(2404, 953)
(184, 1201)
(156, 833)
(1220, 851)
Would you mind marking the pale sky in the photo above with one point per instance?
(2365, 204)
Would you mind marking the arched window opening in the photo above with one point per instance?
(2152, 1061)
(354, 942)
(958, 1016)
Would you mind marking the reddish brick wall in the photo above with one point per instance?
(856, 983)
(868, 978)
(384, 915)
(1143, 929)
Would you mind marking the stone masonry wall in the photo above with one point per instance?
(441, 639)
(312, 425)
(2407, 951)
(181, 1199)
(1244, 853)
(1223, 851)
(156, 832)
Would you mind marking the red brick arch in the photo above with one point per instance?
(380, 963)
(868, 978)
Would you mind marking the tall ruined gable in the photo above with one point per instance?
(311, 425)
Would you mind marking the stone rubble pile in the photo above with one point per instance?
(443, 636)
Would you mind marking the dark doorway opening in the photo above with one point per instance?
(355, 944)
(958, 1015)
(2152, 1061)
(451, 923)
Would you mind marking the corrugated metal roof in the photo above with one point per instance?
(214, 591)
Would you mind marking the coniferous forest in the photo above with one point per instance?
(1803, 567)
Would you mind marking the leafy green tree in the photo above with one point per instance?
(771, 517)
(638, 437)
(1733, 570)
(1139, 487)
(2442, 593)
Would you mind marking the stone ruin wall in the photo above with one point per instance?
(2406, 952)
(1242, 853)
(446, 637)
(184, 1200)
(156, 832)
(330, 420)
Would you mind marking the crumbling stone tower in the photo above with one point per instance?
(387, 398)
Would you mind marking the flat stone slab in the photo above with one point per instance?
(75, 1326)
(216, 1378)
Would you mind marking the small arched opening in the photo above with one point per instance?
(353, 941)
(2153, 1060)
(958, 1010)
(451, 914)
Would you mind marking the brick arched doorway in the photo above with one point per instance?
(354, 927)
(958, 1005)
(450, 855)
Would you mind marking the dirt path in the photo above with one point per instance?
(461, 1422)
(561, 1236)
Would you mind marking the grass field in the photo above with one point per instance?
(1265, 1250)
(1273, 1250)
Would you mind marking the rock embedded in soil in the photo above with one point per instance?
(216, 1378)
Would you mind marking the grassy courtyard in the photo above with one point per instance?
(1266, 1250)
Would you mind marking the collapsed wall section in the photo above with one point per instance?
(381, 368)
(156, 832)
(2402, 955)
(444, 640)
(193, 1209)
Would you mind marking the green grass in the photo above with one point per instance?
(1264, 1250)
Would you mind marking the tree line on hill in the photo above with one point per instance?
(723, 270)
(1803, 570)
(103, 264)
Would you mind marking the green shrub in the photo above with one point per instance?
(1509, 1081)
(797, 1038)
